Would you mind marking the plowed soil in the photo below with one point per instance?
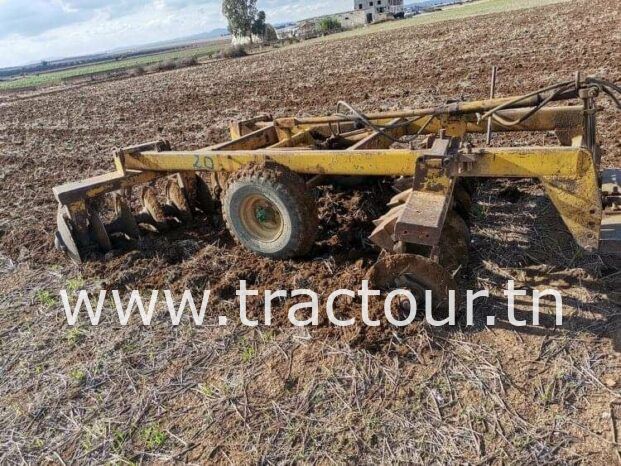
(282, 394)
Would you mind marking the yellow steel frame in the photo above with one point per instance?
(526, 162)
(569, 174)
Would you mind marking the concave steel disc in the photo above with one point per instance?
(176, 198)
(64, 237)
(126, 223)
(154, 208)
(99, 233)
(415, 273)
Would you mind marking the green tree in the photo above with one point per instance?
(330, 24)
(259, 25)
(240, 14)
(270, 33)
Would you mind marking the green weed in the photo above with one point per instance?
(118, 441)
(153, 437)
(78, 375)
(206, 390)
(45, 297)
(75, 284)
(75, 336)
(248, 353)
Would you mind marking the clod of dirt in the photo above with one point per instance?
(511, 194)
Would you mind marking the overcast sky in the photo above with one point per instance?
(34, 30)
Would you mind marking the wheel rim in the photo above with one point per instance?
(261, 218)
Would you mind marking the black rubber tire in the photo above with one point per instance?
(287, 192)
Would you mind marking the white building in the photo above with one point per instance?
(364, 12)
(377, 10)
(309, 28)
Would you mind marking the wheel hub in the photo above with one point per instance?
(261, 218)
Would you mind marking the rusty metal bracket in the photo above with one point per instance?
(422, 219)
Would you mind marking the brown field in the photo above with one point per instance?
(280, 394)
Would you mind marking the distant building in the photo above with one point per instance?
(364, 12)
(310, 28)
(379, 10)
(287, 31)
